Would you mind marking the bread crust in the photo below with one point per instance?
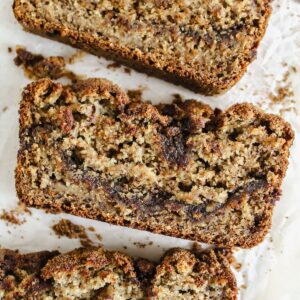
(20, 274)
(175, 136)
(199, 81)
(95, 273)
(187, 265)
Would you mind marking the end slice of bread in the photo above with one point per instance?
(95, 273)
(185, 275)
(204, 45)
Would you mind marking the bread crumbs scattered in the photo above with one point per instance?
(177, 98)
(283, 97)
(196, 247)
(91, 228)
(79, 54)
(99, 237)
(73, 231)
(140, 245)
(116, 65)
(10, 217)
(135, 95)
(125, 247)
(22, 208)
(36, 66)
(243, 286)
(127, 70)
(282, 93)
(16, 215)
(86, 242)
(4, 109)
(237, 266)
(113, 65)
(9, 49)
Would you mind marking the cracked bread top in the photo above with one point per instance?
(204, 44)
(201, 276)
(95, 273)
(20, 275)
(89, 150)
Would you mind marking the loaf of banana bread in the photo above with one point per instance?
(94, 273)
(179, 169)
(204, 45)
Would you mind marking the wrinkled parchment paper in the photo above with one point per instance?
(270, 271)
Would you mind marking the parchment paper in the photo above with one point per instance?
(269, 271)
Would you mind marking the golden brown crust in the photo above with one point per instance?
(88, 257)
(95, 273)
(245, 37)
(20, 275)
(207, 273)
(180, 169)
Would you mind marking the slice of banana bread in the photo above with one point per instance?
(94, 273)
(184, 275)
(204, 45)
(179, 169)
(90, 273)
(20, 275)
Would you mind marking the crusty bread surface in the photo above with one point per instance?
(203, 45)
(95, 273)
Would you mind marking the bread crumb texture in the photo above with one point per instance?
(204, 45)
(94, 273)
(15, 216)
(65, 228)
(37, 66)
(179, 169)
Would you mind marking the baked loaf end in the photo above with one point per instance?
(184, 275)
(90, 273)
(94, 273)
(179, 169)
(204, 45)
(20, 275)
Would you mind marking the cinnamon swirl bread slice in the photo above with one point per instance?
(178, 169)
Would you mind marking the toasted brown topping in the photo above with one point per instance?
(180, 169)
(95, 273)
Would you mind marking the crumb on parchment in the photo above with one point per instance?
(72, 231)
(15, 216)
(37, 66)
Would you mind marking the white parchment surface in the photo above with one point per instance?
(270, 271)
